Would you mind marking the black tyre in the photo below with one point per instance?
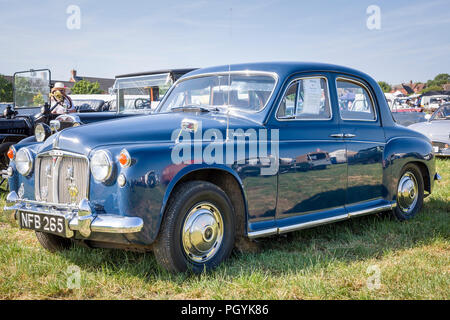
(53, 242)
(410, 192)
(198, 229)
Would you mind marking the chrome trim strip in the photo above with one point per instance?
(314, 223)
(370, 210)
(263, 233)
(301, 78)
(310, 224)
(354, 81)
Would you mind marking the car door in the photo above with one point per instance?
(312, 178)
(364, 139)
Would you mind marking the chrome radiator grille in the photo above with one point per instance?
(61, 177)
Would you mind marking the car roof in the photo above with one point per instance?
(174, 72)
(283, 68)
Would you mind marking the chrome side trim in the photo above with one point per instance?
(263, 233)
(310, 224)
(370, 210)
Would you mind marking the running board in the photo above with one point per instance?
(314, 223)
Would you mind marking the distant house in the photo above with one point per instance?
(446, 87)
(408, 88)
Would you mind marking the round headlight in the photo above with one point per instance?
(24, 161)
(42, 132)
(101, 165)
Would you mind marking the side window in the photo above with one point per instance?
(306, 99)
(355, 102)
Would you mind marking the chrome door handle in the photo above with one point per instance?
(349, 135)
(337, 135)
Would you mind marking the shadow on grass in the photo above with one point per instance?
(359, 239)
(368, 237)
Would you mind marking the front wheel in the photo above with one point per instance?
(410, 193)
(53, 243)
(198, 229)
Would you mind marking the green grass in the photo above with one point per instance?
(328, 262)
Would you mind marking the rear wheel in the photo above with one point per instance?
(410, 191)
(198, 229)
(53, 243)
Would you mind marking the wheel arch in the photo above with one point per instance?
(224, 178)
(408, 150)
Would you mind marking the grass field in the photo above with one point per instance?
(338, 261)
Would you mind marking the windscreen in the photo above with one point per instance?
(31, 88)
(141, 93)
(245, 92)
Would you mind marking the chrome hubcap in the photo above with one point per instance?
(407, 192)
(202, 232)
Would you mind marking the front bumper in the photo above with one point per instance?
(81, 217)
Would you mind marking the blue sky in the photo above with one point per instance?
(131, 36)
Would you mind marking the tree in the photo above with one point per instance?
(386, 87)
(432, 88)
(6, 90)
(86, 87)
(439, 80)
(38, 100)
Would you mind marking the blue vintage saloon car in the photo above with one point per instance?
(232, 152)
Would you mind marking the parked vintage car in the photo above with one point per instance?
(437, 129)
(433, 102)
(171, 181)
(137, 93)
(408, 118)
(31, 108)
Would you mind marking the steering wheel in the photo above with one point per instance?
(141, 103)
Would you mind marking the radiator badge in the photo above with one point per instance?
(44, 193)
(72, 187)
(21, 191)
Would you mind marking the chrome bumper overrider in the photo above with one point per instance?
(81, 217)
(5, 174)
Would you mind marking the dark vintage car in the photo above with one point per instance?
(437, 129)
(179, 181)
(31, 107)
(29, 119)
(17, 120)
(137, 94)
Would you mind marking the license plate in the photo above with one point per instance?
(43, 222)
(436, 148)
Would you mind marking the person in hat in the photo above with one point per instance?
(60, 101)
